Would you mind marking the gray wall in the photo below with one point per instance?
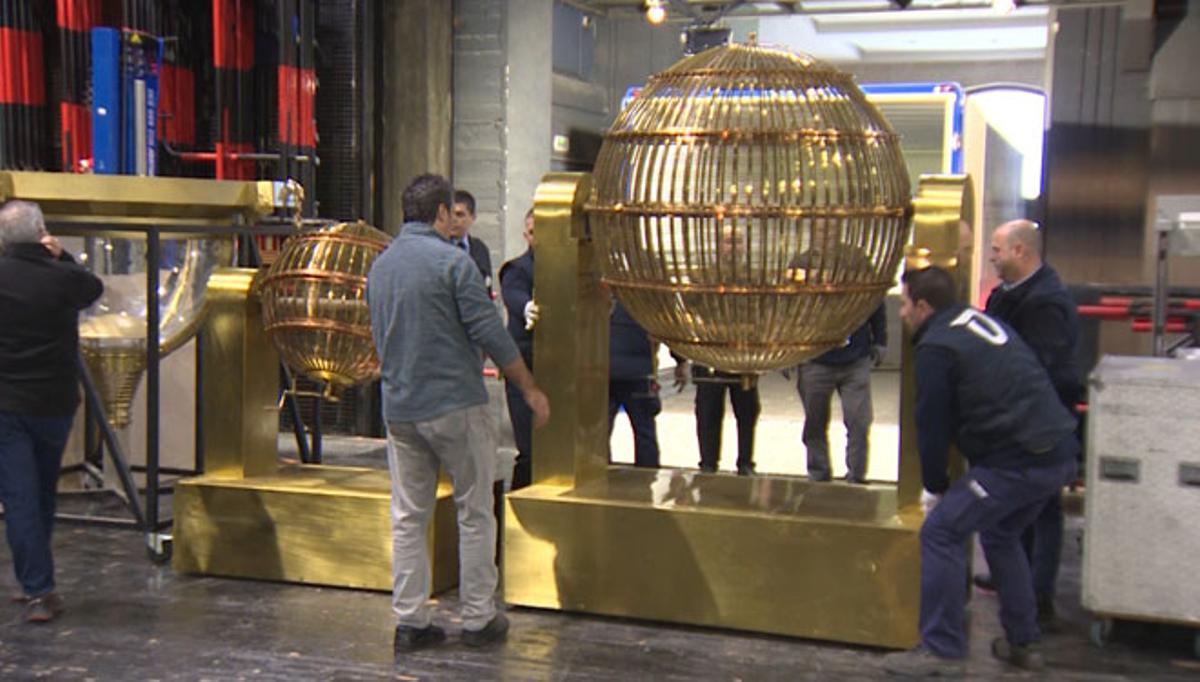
(502, 81)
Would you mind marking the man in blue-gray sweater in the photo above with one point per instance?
(430, 316)
(980, 387)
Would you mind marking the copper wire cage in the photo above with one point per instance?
(314, 300)
(750, 207)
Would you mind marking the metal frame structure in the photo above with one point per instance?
(90, 205)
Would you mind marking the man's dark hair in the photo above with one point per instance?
(464, 197)
(933, 285)
(423, 196)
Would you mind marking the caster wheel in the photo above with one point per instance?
(162, 556)
(1101, 631)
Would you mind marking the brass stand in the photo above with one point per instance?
(252, 517)
(768, 554)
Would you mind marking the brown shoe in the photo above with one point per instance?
(43, 609)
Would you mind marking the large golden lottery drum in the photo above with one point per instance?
(750, 207)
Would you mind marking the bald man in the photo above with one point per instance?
(1032, 300)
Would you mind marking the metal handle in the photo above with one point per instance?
(1189, 474)
(1120, 469)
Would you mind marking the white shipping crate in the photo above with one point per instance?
(1141, 549)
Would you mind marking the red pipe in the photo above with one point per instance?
(1104, 312)
(1173, 326)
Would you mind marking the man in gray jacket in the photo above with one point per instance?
(430, 316)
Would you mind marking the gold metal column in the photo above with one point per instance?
(765, 553)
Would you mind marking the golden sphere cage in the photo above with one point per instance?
(750, 207)
(314, 301)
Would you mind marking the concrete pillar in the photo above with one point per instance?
(1175, 134)
(528, 82)
(502, 78)
(417, 53)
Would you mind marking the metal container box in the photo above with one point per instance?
(1143, 491)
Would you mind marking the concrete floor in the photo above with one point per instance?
(131, 619)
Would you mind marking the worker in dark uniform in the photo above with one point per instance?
(846, 370)
(516, 288)
(631, 384)
(711, 387)
(982, 389)
(1032, 299)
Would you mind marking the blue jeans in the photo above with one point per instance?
(31, 450)
(998, 504)
(641, 405)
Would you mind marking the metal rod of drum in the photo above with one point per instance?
(152, 382)
(1160, 294)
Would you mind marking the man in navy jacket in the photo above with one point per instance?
(42, 290)
(982, 389)
(516, 288)
(1033, 300)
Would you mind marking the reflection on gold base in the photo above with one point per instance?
(774, 555)
(321, 525)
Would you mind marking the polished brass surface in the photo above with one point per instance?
(116, 372)
(315, 303)
(767, 554)
(117, 199)
(775, 555)
(571, 339)
(321, 525)
(942, 236)
(240, 380)
(750, 207)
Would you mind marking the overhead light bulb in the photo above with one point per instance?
(656, 13)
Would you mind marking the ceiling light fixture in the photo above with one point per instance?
(656, 12)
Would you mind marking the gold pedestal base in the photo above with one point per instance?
(322, 525)
(775, 555)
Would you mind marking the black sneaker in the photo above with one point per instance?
(43, 609)
(410, 639)
(494, 632)
(1024, 656)
(745, 470)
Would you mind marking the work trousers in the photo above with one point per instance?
(462, 442)
(710, 418)
(998, 504)
(816, 384)
(641, 405)
(31, 450)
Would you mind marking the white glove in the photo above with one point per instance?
(532, 312)
(929, 501)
